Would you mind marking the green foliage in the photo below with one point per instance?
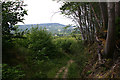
(68, 44)
(69, 8)
(38, 75)
(89, 72)
(12, 13)
(80, 57)
(12, 73)
(81, 60)
(38, 54)
(73, 71)
(40, 42)
(58, 63)
(42, 58)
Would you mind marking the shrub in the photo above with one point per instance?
(40, 42)
(38, 75)
(12, 73)
(67, 44)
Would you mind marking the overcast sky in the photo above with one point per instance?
(41, 11)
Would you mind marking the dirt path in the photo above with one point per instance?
(64, 70)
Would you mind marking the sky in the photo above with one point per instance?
(44, 11)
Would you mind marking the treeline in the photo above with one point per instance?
(97, 22)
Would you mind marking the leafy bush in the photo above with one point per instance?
(12, 73)
(38, 75)
(40, 42)
(68, 44)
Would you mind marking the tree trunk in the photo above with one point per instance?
(80, 23)
(110, 41)
(104, 12)
(117, 10)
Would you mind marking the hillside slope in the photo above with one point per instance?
(107, 68)
(51, 27)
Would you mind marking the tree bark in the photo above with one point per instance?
(80, 23)
(104, 13)
(110, 41)
(117, 10)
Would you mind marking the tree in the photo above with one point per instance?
(104, 13)
(12, 13)
(110, 41)
(117, 10)
(85, 17)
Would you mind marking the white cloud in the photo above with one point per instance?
(41, 11)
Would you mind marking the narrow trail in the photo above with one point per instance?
(64, 70)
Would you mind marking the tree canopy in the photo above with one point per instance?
(12, 13)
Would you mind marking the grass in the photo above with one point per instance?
(58, 64)
(73, 71)
(61, 74)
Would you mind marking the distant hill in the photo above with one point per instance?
(51, 27)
